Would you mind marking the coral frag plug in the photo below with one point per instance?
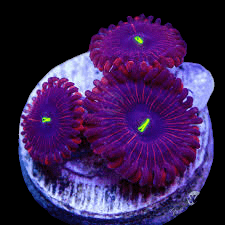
(134, 143)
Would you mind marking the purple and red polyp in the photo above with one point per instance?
(146, 130)
(53, 121)
(137, 45)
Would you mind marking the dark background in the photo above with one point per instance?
(46, 36)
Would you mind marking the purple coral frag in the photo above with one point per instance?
(137, 45)
(167, 144)
(53, 122)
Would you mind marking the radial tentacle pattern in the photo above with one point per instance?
(137, 45)
(146, 130)
(53, 121)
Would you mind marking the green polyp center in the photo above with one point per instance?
(139, 40)
(46, 119)
(144, 125)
